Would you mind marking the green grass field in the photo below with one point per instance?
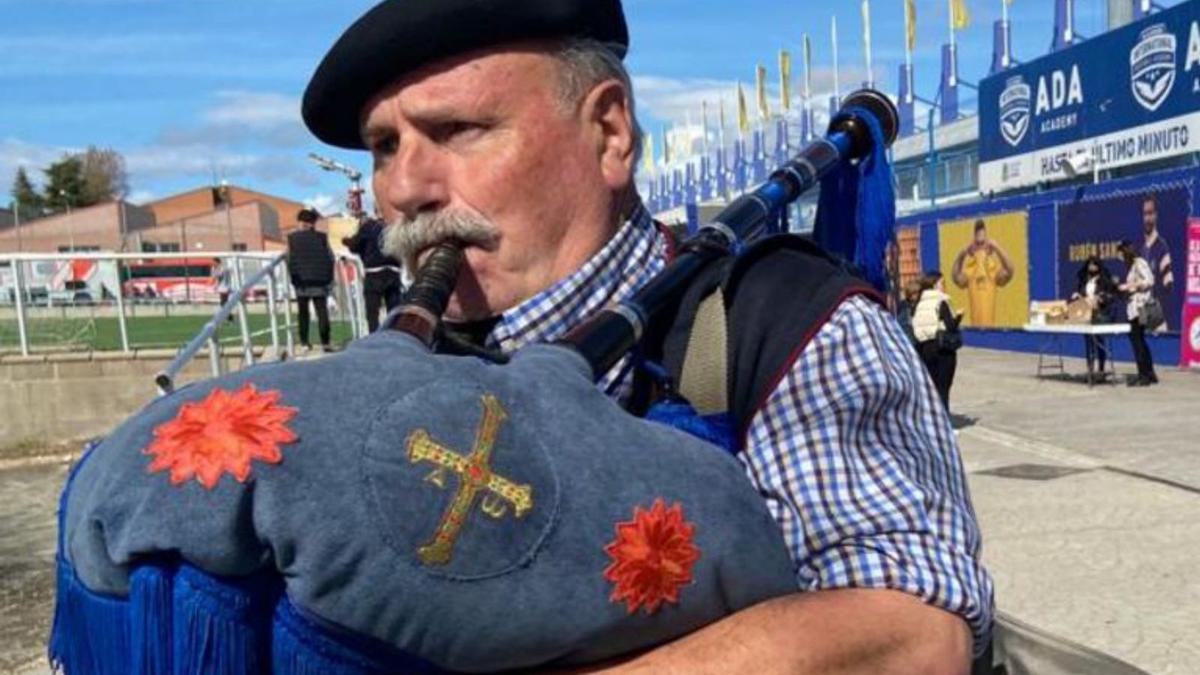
(103, 333)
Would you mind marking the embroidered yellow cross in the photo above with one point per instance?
(475, 477)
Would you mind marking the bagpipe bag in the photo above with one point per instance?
(345, 514)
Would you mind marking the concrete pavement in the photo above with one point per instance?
(1089, 501)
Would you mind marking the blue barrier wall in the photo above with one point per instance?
(1044, 257)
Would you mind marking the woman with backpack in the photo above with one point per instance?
(935, 327)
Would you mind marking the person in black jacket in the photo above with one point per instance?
(1095, 283)
(310, 264)
(383, 271)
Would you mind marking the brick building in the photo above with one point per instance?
(104, 227)
(210, 199)
(194, 221)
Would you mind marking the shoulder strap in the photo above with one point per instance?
(747, 319)
(704, 376)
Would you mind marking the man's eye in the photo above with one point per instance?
(383, 147)
(458, 130)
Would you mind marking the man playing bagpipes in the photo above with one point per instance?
(389, 509)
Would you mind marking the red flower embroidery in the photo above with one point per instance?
(220, 434)
(653, 556)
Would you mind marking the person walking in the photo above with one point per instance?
(310, 265)
(221, 273)
(1138, 289)
(936, 330)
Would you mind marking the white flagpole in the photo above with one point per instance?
(1006, 59)
(807, 68)
(866, 12)
(907, 50)
(721, 124)
(704, 132)
(837, 87)
(950, 15)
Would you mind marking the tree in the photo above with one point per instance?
(103, 176)
(27, 203)
(64, 184)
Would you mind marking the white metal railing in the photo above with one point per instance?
(350, 291)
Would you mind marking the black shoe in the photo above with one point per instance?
(327, 349)
(1153, 379)
(1139, 382)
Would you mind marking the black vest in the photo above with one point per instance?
(778, 294)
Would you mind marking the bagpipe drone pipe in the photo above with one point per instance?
(389, 509)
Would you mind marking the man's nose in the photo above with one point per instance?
(413, 181)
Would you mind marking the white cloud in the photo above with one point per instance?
(676, 99)
(141, 197)
(15, 153)
(260, 118)
(326, 203)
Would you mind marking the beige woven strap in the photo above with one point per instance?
(704, 377)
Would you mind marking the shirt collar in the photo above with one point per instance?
(632, 257)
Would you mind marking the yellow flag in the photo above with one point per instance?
(910, 24)
(785, 79)
(648, 154)
(743, 114)
(760, 81)
(960, 16)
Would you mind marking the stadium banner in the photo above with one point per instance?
(1128, 96)
(1191, 307)
(1156, 221)
(985, 264)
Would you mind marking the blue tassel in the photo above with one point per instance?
(219, 627)
(150, 595)
(856, 215)
(676, 413)
(90, 635)
(90, 631)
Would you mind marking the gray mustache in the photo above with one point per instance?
(405, 238)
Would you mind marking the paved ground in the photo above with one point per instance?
(28, 499)
(1089, 501)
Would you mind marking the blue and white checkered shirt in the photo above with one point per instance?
(853, 452)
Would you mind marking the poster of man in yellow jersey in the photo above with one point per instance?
(986, 262)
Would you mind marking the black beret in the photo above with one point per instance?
(397, 37)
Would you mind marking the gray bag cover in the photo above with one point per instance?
(384, 439)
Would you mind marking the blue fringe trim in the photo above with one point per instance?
(150, 609)
(181, 621)
(218, 627)
(90, 635)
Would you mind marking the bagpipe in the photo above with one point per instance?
(391, 509)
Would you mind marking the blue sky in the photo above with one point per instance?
(189, 90)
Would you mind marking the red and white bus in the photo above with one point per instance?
(173, 280)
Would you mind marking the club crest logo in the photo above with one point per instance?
(1016, 104)
(1152, 67)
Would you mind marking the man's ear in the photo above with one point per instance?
(606, 114)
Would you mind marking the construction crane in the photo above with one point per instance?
(354, 201)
